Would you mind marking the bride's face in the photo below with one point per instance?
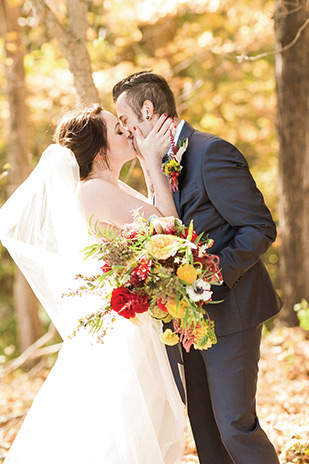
(120, 141)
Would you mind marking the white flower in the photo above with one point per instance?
(202, 250)
(179, 154)
(199, 290)
(183, 145)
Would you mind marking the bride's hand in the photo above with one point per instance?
(155, 145)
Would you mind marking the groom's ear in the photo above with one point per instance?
(147, 110)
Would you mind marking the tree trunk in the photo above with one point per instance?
(292, 79)
(73, 44)
(26, 307)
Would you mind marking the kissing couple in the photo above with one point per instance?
(125, 401)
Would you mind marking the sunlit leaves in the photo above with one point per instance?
(194, 43)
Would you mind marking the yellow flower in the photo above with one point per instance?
(187, 273)
(171, 165)
(179, 312)
(200, 331)
(162, 246)
(199, 334)
(169, 338)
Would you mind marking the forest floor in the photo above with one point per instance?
(282, 401)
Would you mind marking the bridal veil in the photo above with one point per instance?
(44, 230)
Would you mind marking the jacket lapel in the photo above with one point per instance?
(185, 133)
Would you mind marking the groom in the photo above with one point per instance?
(217, 191)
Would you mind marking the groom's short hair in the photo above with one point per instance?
(146, 85)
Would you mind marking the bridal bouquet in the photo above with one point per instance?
(161, 267)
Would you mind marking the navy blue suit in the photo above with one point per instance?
(217, 191)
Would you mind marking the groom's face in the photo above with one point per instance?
(129, 118)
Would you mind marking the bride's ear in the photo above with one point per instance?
(147, 110)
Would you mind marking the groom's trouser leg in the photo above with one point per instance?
(206, 434)
(230, 374)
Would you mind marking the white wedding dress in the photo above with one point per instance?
(111, 403)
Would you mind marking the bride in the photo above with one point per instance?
(111, 403)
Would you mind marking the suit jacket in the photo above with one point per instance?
(217, 191)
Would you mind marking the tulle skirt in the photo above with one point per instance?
(111, 403)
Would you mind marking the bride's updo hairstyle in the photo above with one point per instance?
(83, 130)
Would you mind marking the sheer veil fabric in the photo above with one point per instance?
(111, 403)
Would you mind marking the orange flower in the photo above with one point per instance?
(169, 338)
(172, 309)
(162, 246)
(199, 334)
(187, 273)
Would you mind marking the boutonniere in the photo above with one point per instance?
(172, 167)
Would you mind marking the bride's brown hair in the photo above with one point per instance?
(83, 130)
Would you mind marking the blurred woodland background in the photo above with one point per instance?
(239, 69)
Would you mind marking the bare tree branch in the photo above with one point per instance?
(297, 6)
(33, 351)
(243, 57)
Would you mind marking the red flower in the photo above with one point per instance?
(140, 273)
(106, 268)
(131, 235)
(140, 303)
(129, 232)
(161, 306)
(127, 303)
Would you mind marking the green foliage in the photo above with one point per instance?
(8, 336)
(302, 310)
(7, 318)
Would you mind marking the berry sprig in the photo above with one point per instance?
(173, 145)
